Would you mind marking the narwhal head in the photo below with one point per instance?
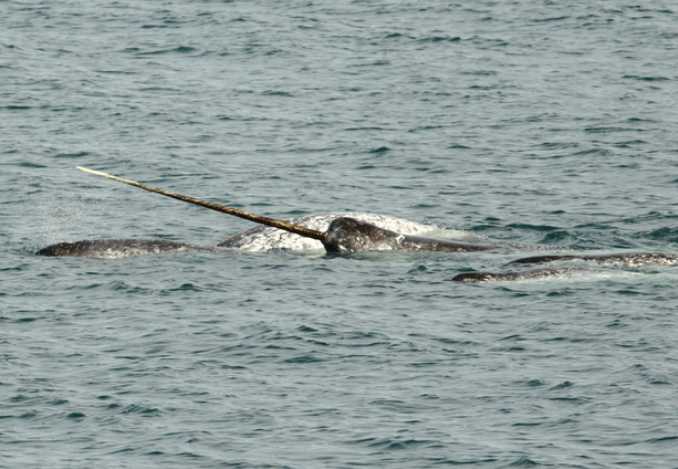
(346, 235)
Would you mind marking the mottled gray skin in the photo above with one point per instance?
(113, 248)
(481, 277)
(626, 258)
(233, 241)
(344, 236)
(630, 259)
(347, 235)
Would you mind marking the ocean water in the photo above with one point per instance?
(535, 125)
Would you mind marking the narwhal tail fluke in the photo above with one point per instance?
(274, 222)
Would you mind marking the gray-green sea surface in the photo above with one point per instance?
(542, 126)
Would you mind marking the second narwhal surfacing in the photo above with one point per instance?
(344, 236)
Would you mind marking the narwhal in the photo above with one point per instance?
(344, 236)
(625, 259)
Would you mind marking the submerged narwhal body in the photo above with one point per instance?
(627, 259)
(623, 259)
(114, 248)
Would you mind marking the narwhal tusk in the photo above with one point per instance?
(276, 223)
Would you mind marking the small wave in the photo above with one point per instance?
(433, 38)
(439, 38)
(379, 150)
(665, 233)
(562, 385)
(16, 107)
(184, 287)
(29, 164)
(591, 151)
(120, 286)
(390, 444)
(670, 439)
(303, 359)
(603, 129)
(645, 78)
(278, 93)
(523, 461)
(531, 227)
(77, 154)
(172, 50)
(141, 409)
(551, 19)
(396, 35)
(116, 72)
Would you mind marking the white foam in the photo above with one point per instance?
(263, 239)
